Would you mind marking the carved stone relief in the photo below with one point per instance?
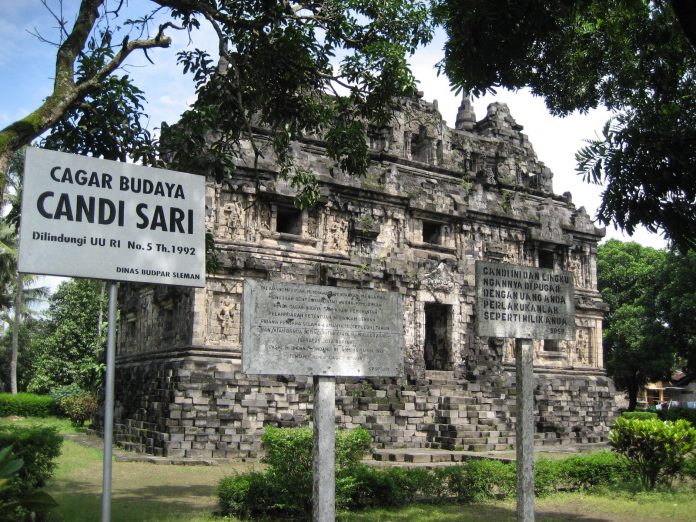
(224, 325)
(585, 350)
(438, 280)
(231, 223)
(336, 232)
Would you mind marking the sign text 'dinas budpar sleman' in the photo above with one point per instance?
(89, 217)
(524, 302)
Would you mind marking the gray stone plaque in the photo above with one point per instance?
(524, 302)
(296, 329)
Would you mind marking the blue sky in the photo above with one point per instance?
(26, 68)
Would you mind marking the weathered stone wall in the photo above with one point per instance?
(204, 407)
(434, 202)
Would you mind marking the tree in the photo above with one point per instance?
(677, 304)
(108, 123)
(636, 57)
(67, 92)
(69, 349)
(635, 339)
(18, 292)
(30, 327)
(277, 66)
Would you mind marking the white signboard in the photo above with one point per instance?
(524, 302)
(88, 217)
(295, 329)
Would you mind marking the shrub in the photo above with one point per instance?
(286, 487)
(74, 402)
(351, 447)
(37, 447)
(79, 407)
(414, 483)
(428, 485)
(674, 414)
(399, 486)
(474, 480)
(26, 405)
(454, 481)
(592, 470)
(65, 390)
(289, 457)
(547, 477)
(655, 449)
(17, 503)
(488, 479)
(641, 415)
(689, 467)
(375, 487)
(247, 495)
(481, 480)
(360, 486)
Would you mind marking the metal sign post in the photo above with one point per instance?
(101, 219)
(524, 303)
(109, 402)
(524, 429)
(324, 450)
(324, 332)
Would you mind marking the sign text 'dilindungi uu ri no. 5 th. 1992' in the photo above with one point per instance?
(89, 217)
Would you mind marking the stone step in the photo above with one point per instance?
(481, 447)
(426, 465)
(419, 456)
(135, 447)
(463, 430)
(452, 439)
(431, 457)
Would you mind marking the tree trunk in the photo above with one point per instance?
(101, 309)
(632, 390)
(15, 332)
(686, 15)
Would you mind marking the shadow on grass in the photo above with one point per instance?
(78, 501)
(458, 513)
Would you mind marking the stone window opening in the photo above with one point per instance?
(289, 221)
(437, 347)
(420, 146)
(167, 322)
(432, 233)
(546, 259)
(551, 346)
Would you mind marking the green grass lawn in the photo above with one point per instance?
(560, 507)
(159, 493)
(140, 491)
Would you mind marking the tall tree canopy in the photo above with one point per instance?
(635, 339)
(69, 348)
(677, 304)
(108, 122)
(276, 62)
(636, 57)
(18, 293)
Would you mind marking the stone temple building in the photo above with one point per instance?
(436, 200)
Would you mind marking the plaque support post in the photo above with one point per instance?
(525, 429)
(109, 402)
(324, 463)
